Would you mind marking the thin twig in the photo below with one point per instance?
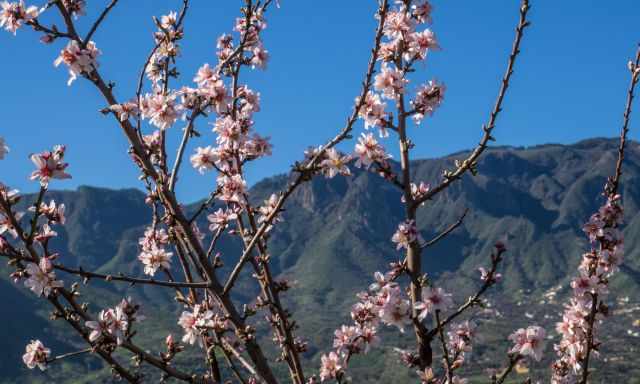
(635, 73)
(102, 16)
(611, 189)
(446, 232)
(470, 162)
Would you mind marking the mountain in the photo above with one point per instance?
(336, 234)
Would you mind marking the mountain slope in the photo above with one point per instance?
(336, 233)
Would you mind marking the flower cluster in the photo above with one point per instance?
(418, 191)
(36, 355)
(220, 219)
(81, 60)
(236, 143)
(373, 113)
(161, 109)
(384, 303)
(193, 322)
(403, 47)
(115, 322)
(125, 110)
(41, 277)
(390, 81)
(335, 163)
(459, 340)
(166, 39)
(528, 342)
(52, 211)
(433, 299)
(14, 14)
(267, 209)
(586, 307)
(50, 165)
(368, 151)
(428, 98)
(154, 254)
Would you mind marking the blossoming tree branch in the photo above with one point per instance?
(213, 321)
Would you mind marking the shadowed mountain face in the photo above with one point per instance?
(336, 234)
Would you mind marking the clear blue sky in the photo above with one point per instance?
(569, 84)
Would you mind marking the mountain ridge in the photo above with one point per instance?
(337, 232)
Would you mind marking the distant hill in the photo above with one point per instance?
(336, 233)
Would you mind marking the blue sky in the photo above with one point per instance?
(569, 84)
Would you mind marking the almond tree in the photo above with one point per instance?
(403, 297)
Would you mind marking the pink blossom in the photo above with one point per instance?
(112, 321)
(256, 146)
(390, 81)
(433, 299)
(268, 208)
(406, 234)
(4, 245)
(130, 309)
(42, 280)
(224, 41)
(484, 275)
(426, 376)
(394, 309)
(250, 100)
(428, 98)
(368, 151)
(331, 367)
(460, 337)
(79, 60)
(335, 163)
(6, 226)
(36, 355)
(153, 238)
(55, 213)
(204, 159)
(373, 113)
(154, 70)
(398, 24)
(229, 132)
(191, 322)
(346, 338)
(169, 21)
(50, 165)
(260, 57)
(380, 281)
(212, 88)
(528, 342)
(419, 44)
(45, 234)
(422, 11)
(220, 219)
(75, 7)
(99, 326)
(14, 14)
(418, 190)
(232, 188)
(587, 284)
(161, 109)
(125, 110)
(205, 76)
(154, 259)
